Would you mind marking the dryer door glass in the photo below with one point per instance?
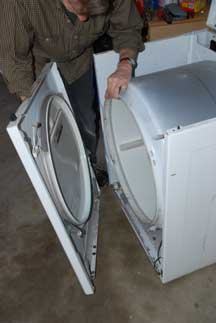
(67, 170)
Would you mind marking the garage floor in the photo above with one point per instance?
(38, 285)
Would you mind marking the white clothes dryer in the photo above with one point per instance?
(160, 151)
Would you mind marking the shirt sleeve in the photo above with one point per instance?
(15, 48)
(126, 26)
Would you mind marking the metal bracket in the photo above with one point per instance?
(35, 139)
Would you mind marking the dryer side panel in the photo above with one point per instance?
(189, 237)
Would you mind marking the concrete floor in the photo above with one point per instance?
(38, 285)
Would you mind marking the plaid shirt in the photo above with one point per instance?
(34, 32)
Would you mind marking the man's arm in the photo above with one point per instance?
(15, 54)
(125, 30)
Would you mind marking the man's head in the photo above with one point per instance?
(85, 8)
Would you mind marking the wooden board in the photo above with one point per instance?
(159, 29)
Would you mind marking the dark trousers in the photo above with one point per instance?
(83, 98)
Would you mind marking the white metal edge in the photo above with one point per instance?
(149, 239)
(211, 21)
(50, 209)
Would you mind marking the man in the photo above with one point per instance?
(34, 32)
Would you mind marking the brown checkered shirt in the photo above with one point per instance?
(34, 32)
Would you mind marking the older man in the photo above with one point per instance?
(35, 32)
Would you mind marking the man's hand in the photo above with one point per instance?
(23, 98)
(118, 80)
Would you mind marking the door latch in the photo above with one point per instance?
(35, 140)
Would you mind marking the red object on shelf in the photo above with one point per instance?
(140, 6)
(160, 13)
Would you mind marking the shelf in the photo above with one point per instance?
(159, 29)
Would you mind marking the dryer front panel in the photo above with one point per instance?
(47, 139)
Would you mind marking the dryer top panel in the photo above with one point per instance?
(178, 97)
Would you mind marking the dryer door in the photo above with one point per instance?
(46, 137)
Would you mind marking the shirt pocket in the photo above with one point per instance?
(52, 47)
(87, 40)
